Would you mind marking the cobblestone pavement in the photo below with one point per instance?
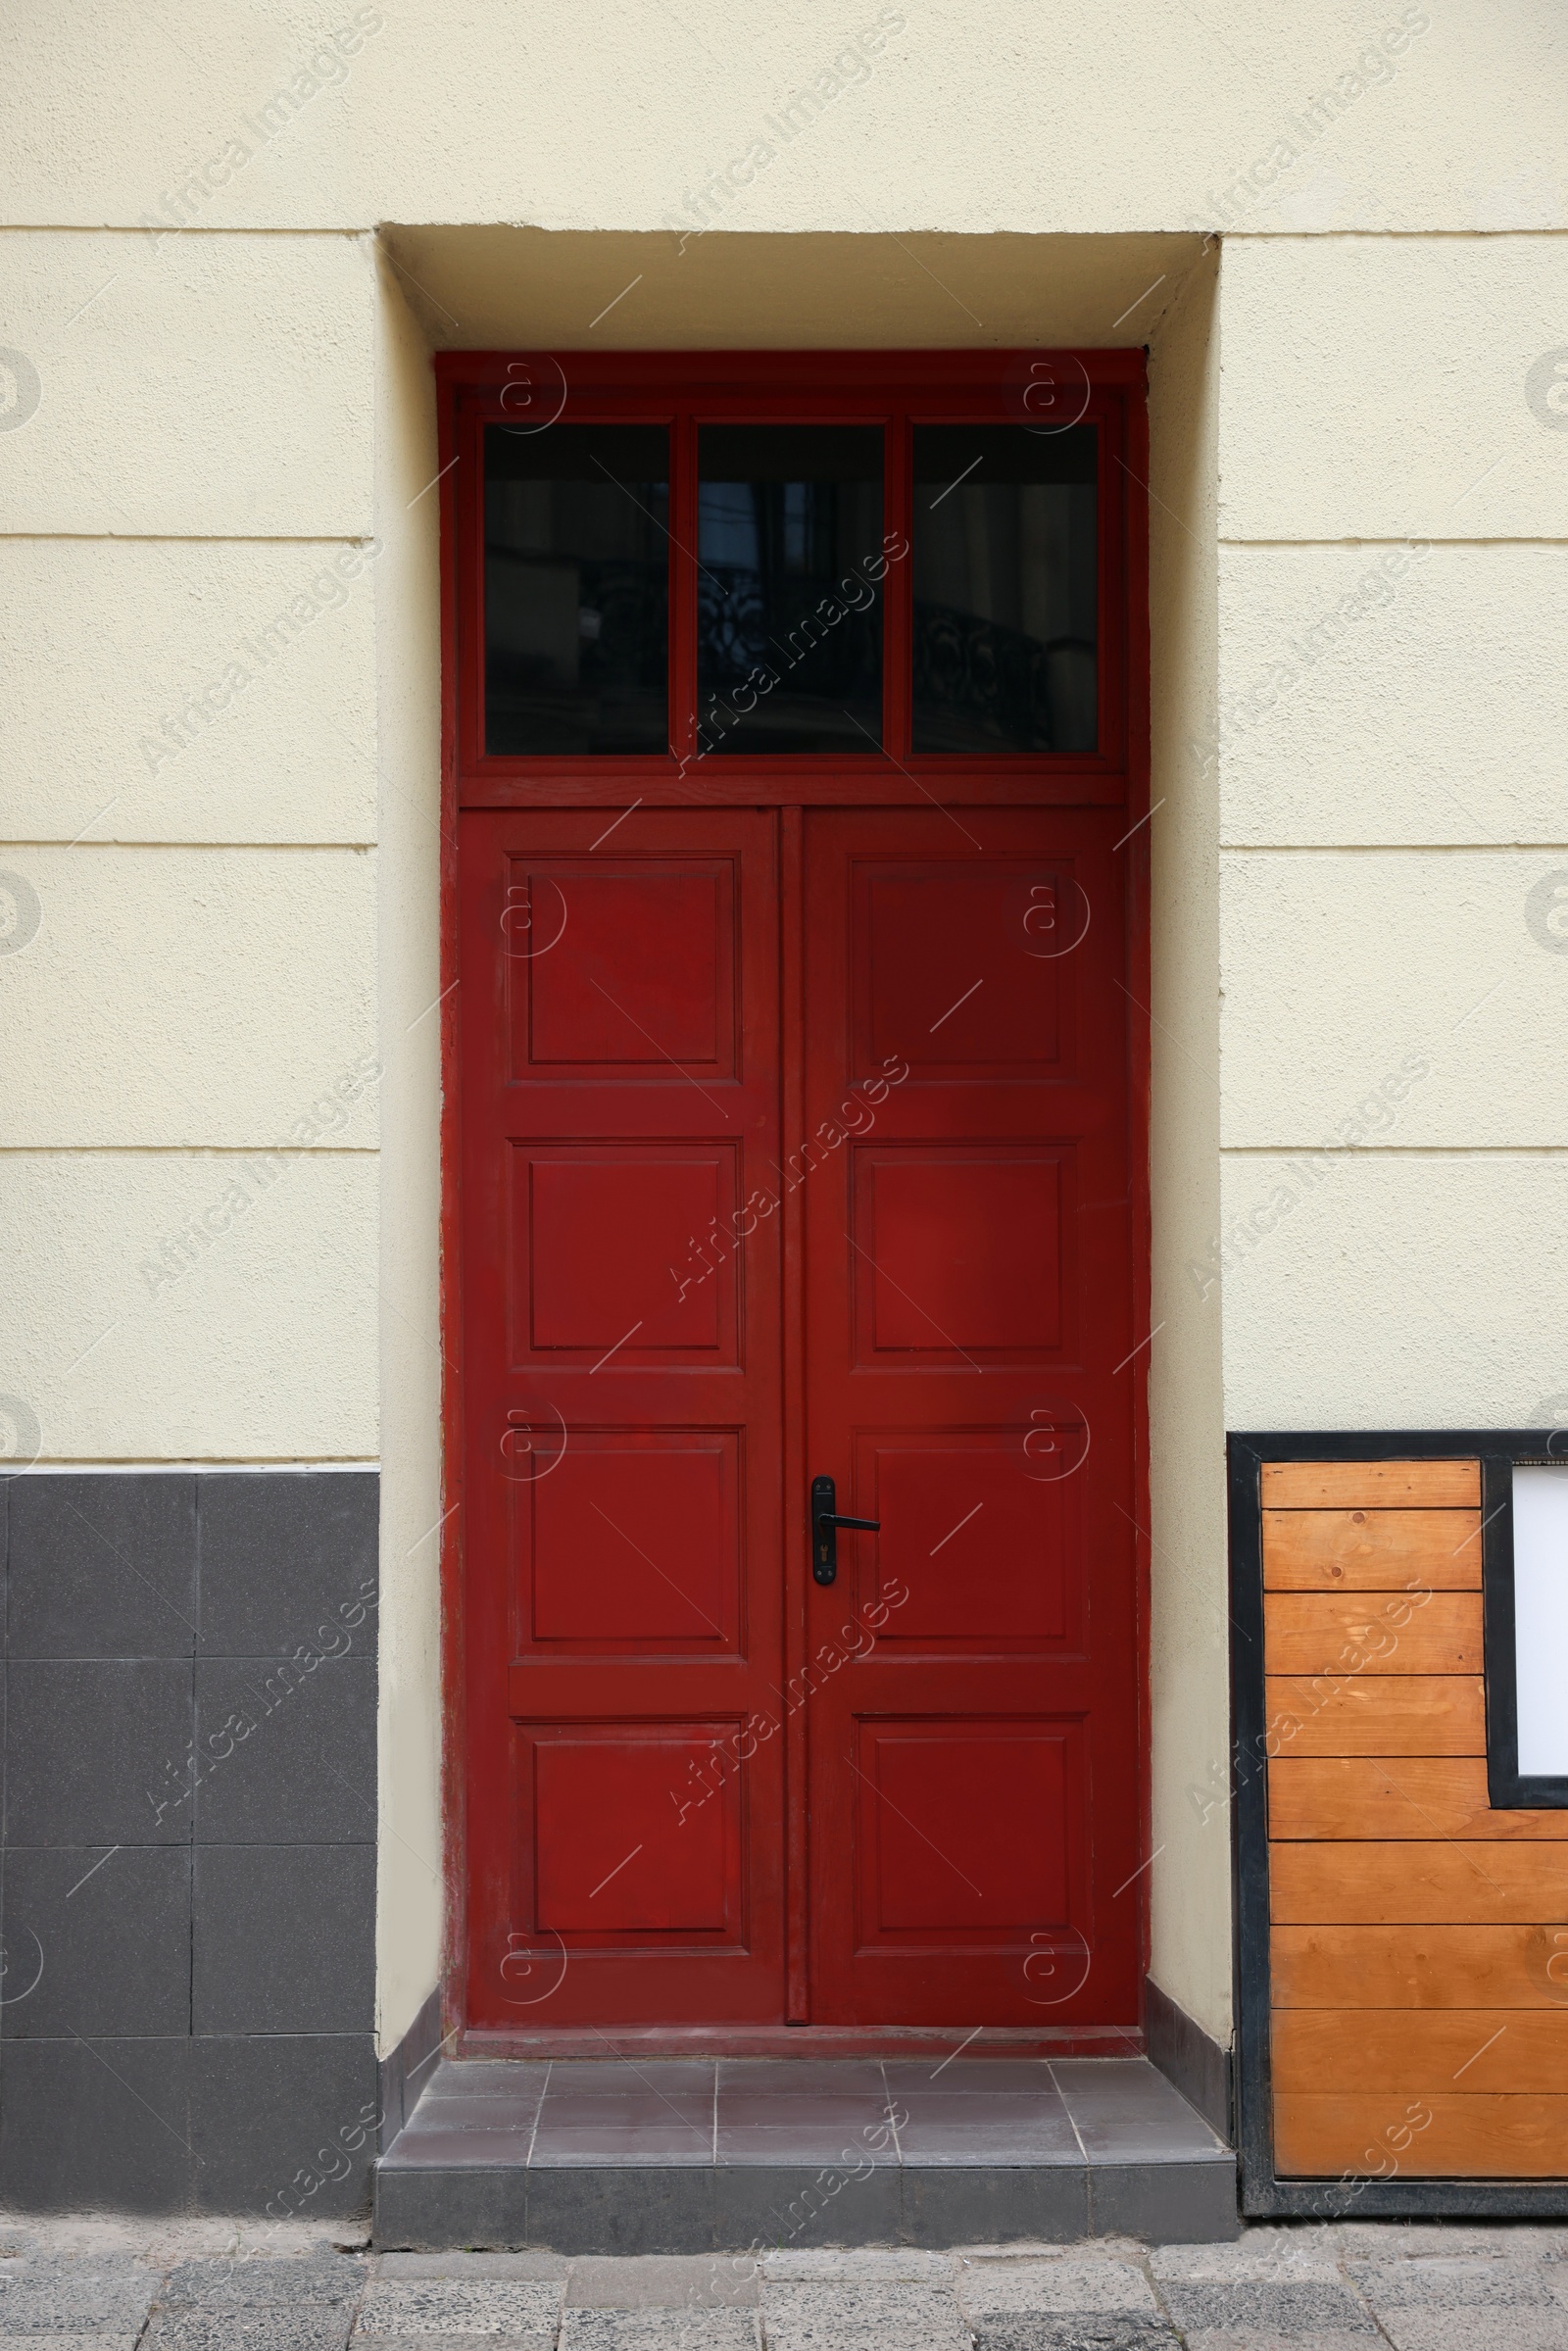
(67, 2286)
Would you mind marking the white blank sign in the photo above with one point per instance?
(1540, 1619)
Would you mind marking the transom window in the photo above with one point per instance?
(684, 575)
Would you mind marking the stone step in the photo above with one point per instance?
(696, 2155)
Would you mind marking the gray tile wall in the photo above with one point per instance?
(187, 1862)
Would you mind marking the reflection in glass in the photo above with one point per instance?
(576, 589)
(1005, 589)
(788, 601)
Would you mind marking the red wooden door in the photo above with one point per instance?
(624, 1515)
(974, 1772)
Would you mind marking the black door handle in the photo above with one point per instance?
(826, 1524)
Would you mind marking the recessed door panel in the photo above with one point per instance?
(976, 1550)
(963, 1830)
(620, 967)
(957, 1251)
(633, 1542)
(608, 1239)
(615, 1854)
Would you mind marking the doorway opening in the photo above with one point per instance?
(797, 1225)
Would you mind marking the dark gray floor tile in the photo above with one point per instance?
(249, 2283)
(684, 2079)
(273, 2119)
(960, 2205)
(515, 2112)
(941, 2075)
(434, 2211)
(476, 2148)
(103, 1566)
(98, 1751)
(754, 2143)
(1001, 2128)
(108, 1934)
(1126, 2112)
(99, 2125)
(286, 1757)
(844, 2077)
(283, 1938)
(805, 2205)
(486, 2077)
(299, 2327)
(654, 2138)
(1165, 2203)
(626, 2209)
(283, 1553)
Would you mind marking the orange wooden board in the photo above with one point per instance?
(1375, 1714)
(1438, 1883)
(1368, 1797)
(1445, 2050)
(1371, 1485)
(1418, 1967)
(1490, 2138)
(1383, 1632)
(1371, 1550)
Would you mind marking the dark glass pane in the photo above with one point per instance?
(1006, 588)
(576, 589)
(789, 604)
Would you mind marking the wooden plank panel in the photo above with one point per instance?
(1418, 1967)
(1371, 1550)
(1381, 1632)
(1371, 1485)
(1443, 2050)
(1376, 1714)
(1395, 1797)
(1499, 2138)
(1436, 1883)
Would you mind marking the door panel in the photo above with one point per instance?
(620, 1017)
(973, 1772)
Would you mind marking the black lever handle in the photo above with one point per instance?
(826, 1524)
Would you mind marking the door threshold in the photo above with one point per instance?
(805, 2040)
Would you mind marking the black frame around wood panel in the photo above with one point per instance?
(1263, 2194)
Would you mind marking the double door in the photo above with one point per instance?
(796, 1149)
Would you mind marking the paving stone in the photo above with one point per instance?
(659, 2330)
(1067, 2330)
(487, 2306)
(1254, 2260)
(287, 2327)
(1505, 2330)
(1050, 2287)
(808, 2264)
(1463, 2284)
(664, 2281)
(846, 2317)
(248, 2285)
(469, 2264)
(1269, 2338)
(1284, 2306)
(70, 2342)
(62, 2295)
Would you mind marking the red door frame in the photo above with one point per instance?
(1108, 388)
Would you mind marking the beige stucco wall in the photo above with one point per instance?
(232, 837)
